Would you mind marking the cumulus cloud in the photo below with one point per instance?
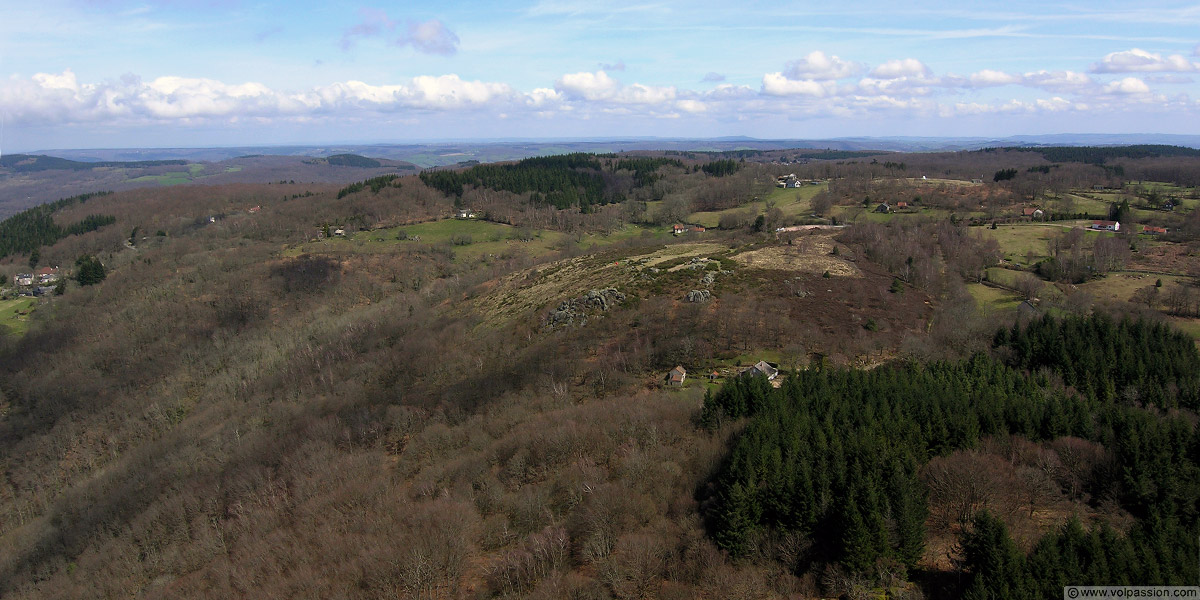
(713, 76)
(988, 77)
(429, 37)
(776, 84)
(1140, 61)
(819, 67)
(599, 87)
(61, 98)
(895, 69)
(1127, 86)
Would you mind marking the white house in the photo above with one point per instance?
(1106, 225)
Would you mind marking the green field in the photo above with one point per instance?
(14, 315)
(1016, 241)
(171, 178)
(994, 298)
(796, 203)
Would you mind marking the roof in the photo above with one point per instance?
(1029, 210)
(766, 369)
(1105, 223)
(677, 374)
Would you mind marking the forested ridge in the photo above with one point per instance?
(568, 180)
(1100, 154)
(28, 230)
(28, 163)
(835, 455)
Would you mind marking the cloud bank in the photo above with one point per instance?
(818, 85)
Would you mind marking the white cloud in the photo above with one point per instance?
(895, 69)
(1128, 85)
(691, 106)
(1140, 61)
(988, 77)
(587, 86)
(817, 66)
(60, 98)
(776, 84)
(1054, 104)
(599, 86)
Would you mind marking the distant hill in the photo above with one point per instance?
(347, 160)
(1099, 154)
(29, 163)
(439, 154)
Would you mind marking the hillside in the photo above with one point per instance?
(454, 384)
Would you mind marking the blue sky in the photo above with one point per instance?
(118, 73)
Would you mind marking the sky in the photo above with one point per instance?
(197, 73)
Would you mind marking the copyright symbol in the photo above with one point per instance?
(1072, 592)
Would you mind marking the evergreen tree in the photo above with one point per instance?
(90, 270)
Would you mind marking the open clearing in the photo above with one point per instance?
(472, 239)
(808, 254)
(14, 315)
(1121, 286)
(540, 287)
(994, 298)
(796, 203)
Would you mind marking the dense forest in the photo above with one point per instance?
(26, 231)
(838, 456)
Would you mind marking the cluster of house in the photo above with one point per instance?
(680, 229)
(38, 283)
(334, 231)
(790, 181)
(676, 376)
(884, 207)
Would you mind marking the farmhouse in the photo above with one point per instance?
(1032, 212)
(1106, 225)
(23, 279)
(883, 208)
(464, 213)
(1151, 230)
(762, 367)
(676, 376)
(679, 228)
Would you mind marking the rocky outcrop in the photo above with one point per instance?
(699, 296)
(576, 310)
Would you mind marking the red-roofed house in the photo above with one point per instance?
(1154, 230)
